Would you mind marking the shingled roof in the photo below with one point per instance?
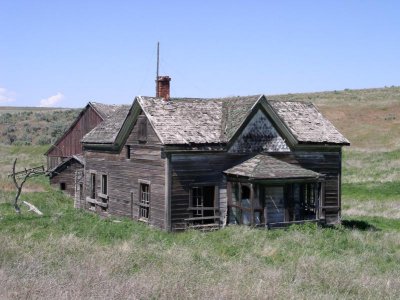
(106, 110)
(198, 121)
(263, 166)
(307, 124)
(188, 121)
(107, 131)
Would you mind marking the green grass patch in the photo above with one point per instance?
(376, 191)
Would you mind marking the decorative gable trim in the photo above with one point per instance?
(263, 106)
(259, 135)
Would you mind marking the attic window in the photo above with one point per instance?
(142, 129)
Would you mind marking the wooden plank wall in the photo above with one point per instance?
(198, 168)
(68, 177)
(70, 144)
(124, 175)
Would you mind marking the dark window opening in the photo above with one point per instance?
(203, 204)
(93, 186)
(63, 186)
(307, 201)
(128, 151)
(104, 184)
(81, 191)
(144, 201)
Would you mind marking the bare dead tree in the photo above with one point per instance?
(19, 179)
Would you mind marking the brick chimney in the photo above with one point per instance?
(162, 87)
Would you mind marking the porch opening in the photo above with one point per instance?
(261, 204)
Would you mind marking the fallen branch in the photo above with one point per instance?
(23, 177)
(33, 208)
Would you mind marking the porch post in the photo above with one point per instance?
(251, 203)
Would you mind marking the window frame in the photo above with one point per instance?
(144, 200)
(104, 186)
(93, 186)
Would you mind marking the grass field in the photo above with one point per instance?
(71, 254)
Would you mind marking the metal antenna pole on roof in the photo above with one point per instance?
(158, 66)
(158, 58)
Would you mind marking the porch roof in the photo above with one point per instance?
(263, 166)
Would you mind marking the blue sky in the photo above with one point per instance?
(66, 53)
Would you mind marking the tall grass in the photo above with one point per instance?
(72, 254)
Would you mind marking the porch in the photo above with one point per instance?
(266, 192)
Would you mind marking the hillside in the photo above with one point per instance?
(369, 118)
(33, 125)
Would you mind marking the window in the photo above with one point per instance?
(144, 201)
(307, 199)
(63, 186)
(128, 151)
(93, 185)
(240, 206)
(104, 184)
(203, 203)
(81, 191)
(142, 129)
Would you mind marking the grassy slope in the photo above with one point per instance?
(74, 254)
(26, 126)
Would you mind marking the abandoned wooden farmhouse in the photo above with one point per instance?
(206, 163)
(65, 156)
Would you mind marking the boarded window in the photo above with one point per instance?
(144, 201)
(92, 185)
(142, 129)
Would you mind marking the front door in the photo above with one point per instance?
(274, 204)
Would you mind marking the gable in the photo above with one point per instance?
(259, 135)
(142, 132)
(69, 143)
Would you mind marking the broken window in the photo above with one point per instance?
(307, 198)
(240, 206)
(104, 184)
(203, 203)
(128, 151)
(93, 185)
(144, 201)
(63, 186)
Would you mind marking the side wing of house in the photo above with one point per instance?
(283, 136)
(69, 143)
(128, 181)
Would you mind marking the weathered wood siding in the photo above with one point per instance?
(327, 163)
(145, 163)
(67, 176)
(198, 169)
(70, 143)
